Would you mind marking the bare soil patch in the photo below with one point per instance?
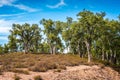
(81, 72)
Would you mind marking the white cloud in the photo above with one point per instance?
(4, 29)
(19, 6)
(6, 2)
(61, 3)
(3, 38)
(5, 26)
(9, 15)
(26, 8)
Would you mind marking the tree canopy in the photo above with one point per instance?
(92, 36)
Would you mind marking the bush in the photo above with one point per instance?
(19, 65)
(62, 67)
(38, 62)
(38, 69)
(57, 70)
(17, 77)
(1, 71)
(38, 77)
(20, 71)
(51, 65)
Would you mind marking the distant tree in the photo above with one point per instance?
(44, 47)
(67, 33)
(12, 43)
(90, 36)
(1, 49)
(28, 37)
(6, 48)
(77, 40)
(90, 23)
(52, 30)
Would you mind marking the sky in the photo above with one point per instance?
(32, 11)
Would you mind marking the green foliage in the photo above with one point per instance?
(52, 30)
(90, 36)
(1, 49)
(12, 43)
(25, 37)
(6, 48)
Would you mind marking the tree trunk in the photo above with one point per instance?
(106, 55)
(26, 48)
(103, 55)
(114, 58)
(111, 55)
(51, 49)
(78, 49)
(88, 51)
(54, 50)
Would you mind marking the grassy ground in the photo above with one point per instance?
(37, 62)
(23, 63)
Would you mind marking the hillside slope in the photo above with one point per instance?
(53, 67)
(81, 72)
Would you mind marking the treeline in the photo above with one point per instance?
(91, 36)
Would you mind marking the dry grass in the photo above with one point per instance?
(25, 64)
(1, 71)
(38, 62)
(21, 71)
(16, 77)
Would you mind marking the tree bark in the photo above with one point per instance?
(26, 48)
(114, 58)
(78, 49)
(79, 52)
(103, 55)
(111, 55)
(54, 50)
(106, 55)
(51, 49)
(88, 51)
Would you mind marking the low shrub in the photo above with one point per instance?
(16, 77)
(38, 77)
(21, 71)
(57, 70)
(61, 67)
(1, 71)
(38, 69)
(19, 65)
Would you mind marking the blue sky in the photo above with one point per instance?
(32, 11)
